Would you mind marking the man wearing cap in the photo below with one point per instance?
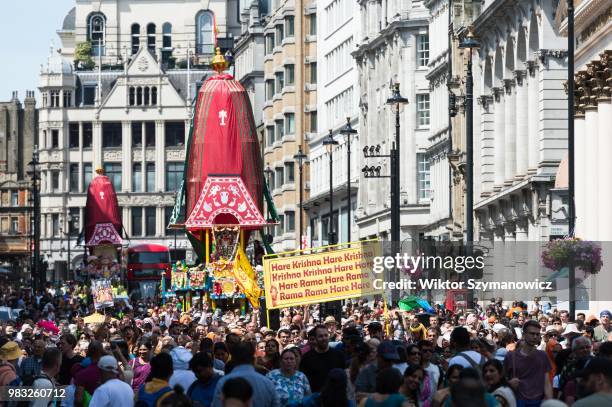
(180, 363)
(386, 356)
(603, 330)
(112, 392)
(596, 381)
(10, 354)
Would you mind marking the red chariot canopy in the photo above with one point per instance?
(224, 142)
(102, 207)
(223, 201)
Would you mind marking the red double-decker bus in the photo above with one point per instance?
(146, 263)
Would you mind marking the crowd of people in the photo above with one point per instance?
(148, 354)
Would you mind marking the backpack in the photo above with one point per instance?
(472, 362)
(28, 381)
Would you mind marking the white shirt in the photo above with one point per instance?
(460, 360)
(433, 372)
(113, 393)
(184, 378)
(42, 383)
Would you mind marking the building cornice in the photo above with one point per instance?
(386, 33)
(584, 13)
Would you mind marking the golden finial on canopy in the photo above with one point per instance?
(219, 63)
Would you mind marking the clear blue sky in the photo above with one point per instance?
(27, 28)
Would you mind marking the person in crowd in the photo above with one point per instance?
(528, 368)
(595, 383)
(221, 352)
(602, 332)
(414, 377)
(432, 371)
(284, 337)
(321, 359)
(140, 364)
(464, 356)
(493, 375)
(360, 359)
(291, 385)
(176, 398)
(67, 343)
(182, 375)
(468, 392)
(581, 353)
(264, 392)
(9, 355)
(388, 383)
(113, 392)
(203, 389)
(386, 356)
(31, 366)
(271, 358)
(157, 388)
(88, 376)
(333, 392)
(50, 367)
(451, 378)
(236, 392)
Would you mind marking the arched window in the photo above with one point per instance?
(139, 96)
(146, 96)
(96, 30)
(132, 96)
(206, 32)
(167, 39)
(151, 37)
(135, 38)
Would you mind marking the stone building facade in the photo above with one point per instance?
(125, 107)
(520, 128)
(18, 128)
(289, 108)
(337, 92)
(393, 47)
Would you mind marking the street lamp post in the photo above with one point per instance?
(69, 219)
(570, 148)
(329, 144)
(396, 101)
(469, 43)
(33, 172)
(348, 130)
(269, 173)
(300, 157)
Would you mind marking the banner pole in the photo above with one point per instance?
(206, 247)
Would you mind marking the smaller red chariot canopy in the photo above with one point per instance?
(224, 200)
(101, 210)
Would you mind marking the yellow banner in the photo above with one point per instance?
(293, 279)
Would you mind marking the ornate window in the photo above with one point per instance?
(135, 38)
(205, 32)
(96, 32)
